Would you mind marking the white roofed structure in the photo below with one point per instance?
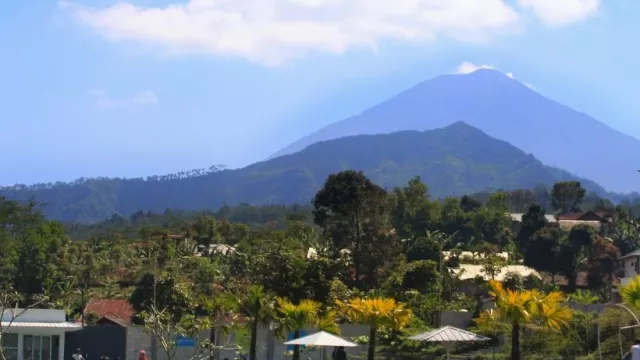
(35, 333)
(321, 338)
(448, 336)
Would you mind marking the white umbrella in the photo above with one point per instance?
(449, 335)
(321, 339)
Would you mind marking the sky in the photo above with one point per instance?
(133, 88)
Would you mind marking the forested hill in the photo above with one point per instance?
(458, 159)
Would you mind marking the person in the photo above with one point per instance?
(635, 350)
(342, 355)
(142, 355)
(334, 353)
(104, 356)
(78, 355)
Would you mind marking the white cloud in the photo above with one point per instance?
(103, 100)
(561, 12)
(468, 67)
(272, 31)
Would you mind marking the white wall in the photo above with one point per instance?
(35, 315)
(138, 340)
(630, 267)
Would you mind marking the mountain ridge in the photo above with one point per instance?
(505, 109)
(454, 160)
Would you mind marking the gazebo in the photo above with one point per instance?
(449, 335)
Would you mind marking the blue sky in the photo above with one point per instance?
(106, 88)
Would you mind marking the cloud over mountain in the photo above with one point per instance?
(272, 31)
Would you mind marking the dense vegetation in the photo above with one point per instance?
(377, 261)
(455, 160)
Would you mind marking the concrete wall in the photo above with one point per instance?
(138, 340)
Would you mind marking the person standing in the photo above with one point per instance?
(78, 355)
(634, 352)
(342, 355)
(142, 355)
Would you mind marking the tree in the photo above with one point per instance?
(378, 313)
(171, 294)
(353, 212)
(518, 309)
(492, 265)
(498, 202)
(166, 328)
(532, 221)
(520, 200)
(224, 307)
(258, 306)
(566, 196)
(543, 250)
(413, 212)
(573, 253)
(294, 318)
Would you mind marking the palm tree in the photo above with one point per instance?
(377, 312)
(306, 314)
(258, 305)
(519, 309)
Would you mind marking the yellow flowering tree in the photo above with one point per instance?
(516, 310)
(377, 312)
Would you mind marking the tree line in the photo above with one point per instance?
(371, 247)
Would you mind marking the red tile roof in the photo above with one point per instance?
(113, 309)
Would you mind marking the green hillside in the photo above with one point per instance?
(457, 159)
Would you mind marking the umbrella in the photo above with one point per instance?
(321, 339)
(449, 335)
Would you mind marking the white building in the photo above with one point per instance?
(631, 264)
(35, 334)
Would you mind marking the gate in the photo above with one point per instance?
(97, 340)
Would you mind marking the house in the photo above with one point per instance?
(631, 266)
(470, 272)
(35, 333)
(590, 218)
(567, 221)
(110, 311)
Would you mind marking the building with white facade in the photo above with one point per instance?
(631, 265)
(35, 334)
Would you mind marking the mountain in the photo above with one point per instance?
(508, 110)
(458, 159)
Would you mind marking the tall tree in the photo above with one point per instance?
(574, 252)
(566, 196)
(258, 305)
(353, 212)
(543, 250)
(532, 221)
(520, 200)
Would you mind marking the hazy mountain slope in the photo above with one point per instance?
(458, 159)
(508, 110)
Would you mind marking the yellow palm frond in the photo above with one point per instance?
(377, 311)
(630, 293)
